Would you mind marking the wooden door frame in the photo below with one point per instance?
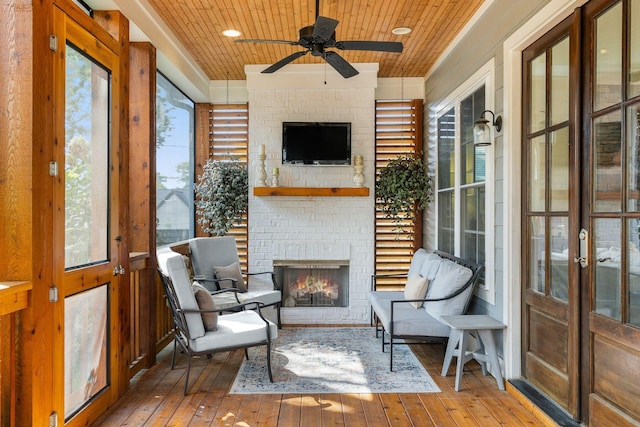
(38, 330)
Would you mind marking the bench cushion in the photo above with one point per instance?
(407, 320)
(449, 278)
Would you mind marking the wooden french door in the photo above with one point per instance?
(611, 212)
(581, 246)
(86, 222)
(550, 223)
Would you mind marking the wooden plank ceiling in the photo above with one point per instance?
(199, 25)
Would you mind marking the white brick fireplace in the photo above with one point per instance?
(312, 228)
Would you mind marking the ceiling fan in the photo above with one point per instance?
(315, 39)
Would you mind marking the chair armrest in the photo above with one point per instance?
(237, 307)
(276, 286)
(235, 292)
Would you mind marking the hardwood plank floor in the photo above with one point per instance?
(156, 399)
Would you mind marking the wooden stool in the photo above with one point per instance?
(461, 326)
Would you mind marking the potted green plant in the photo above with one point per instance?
(222, 195)
(403, 188)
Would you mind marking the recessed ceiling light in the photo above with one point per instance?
(401, 30)
(231, 33)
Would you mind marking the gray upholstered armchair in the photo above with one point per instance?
(216, 265)
(199, 330)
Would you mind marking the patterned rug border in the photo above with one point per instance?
(316, 372)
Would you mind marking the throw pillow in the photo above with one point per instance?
(205, 302)
(416, 288)
(230, 272)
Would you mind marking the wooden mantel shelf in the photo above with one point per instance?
(14, 296)
(312, 191)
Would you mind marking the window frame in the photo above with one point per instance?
(485, 75)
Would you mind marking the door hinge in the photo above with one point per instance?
(53, 419)
(53, 43)
(53, 294)
(53, 168)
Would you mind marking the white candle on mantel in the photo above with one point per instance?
(261, 149)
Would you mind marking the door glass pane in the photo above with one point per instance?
(538, 90)
(607, 176)
(446, 217)
(537, 163)
(634, 49)
(633, 270)
(608, 58)
(560, 82)
(633, 158)
(559, 258)
(607, 267)
(86, 160)
(537, 253)
(85, 345)
(559, 170)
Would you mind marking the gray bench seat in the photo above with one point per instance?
(451, 284)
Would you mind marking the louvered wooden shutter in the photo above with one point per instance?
(229, 138)
(398, 132)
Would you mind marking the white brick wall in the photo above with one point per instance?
(320, 228)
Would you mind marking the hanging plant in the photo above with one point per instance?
(403, 188)
(222, 195)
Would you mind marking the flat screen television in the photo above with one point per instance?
(316, 143)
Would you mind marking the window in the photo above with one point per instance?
(464, 198)
(175, 121)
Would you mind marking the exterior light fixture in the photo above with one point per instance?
(482, 131)
(231, 33)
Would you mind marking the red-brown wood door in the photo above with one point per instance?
(581, 199)
(550, 226)
(611, 212)
(86, 222)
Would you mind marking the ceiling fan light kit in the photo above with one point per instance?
(320, 36)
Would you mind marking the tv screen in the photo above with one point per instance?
(315, 143)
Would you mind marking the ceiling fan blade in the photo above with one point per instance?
(345, 69)
(324, 28)
(370, 45)
(266, 41)
(284, 61)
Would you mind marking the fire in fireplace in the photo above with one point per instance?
(313, 283)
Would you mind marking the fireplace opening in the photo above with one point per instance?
(313, 283)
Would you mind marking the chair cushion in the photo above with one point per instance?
(231, 271)
(235, 329)
(205, 302)
(407, 320)
(416, 261)
(430, 266)
(450, 278)
(416, 288)
(177, 271)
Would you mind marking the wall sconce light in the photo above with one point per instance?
(482, 131)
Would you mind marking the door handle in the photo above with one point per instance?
(583, 259)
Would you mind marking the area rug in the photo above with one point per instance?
(331, 360)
